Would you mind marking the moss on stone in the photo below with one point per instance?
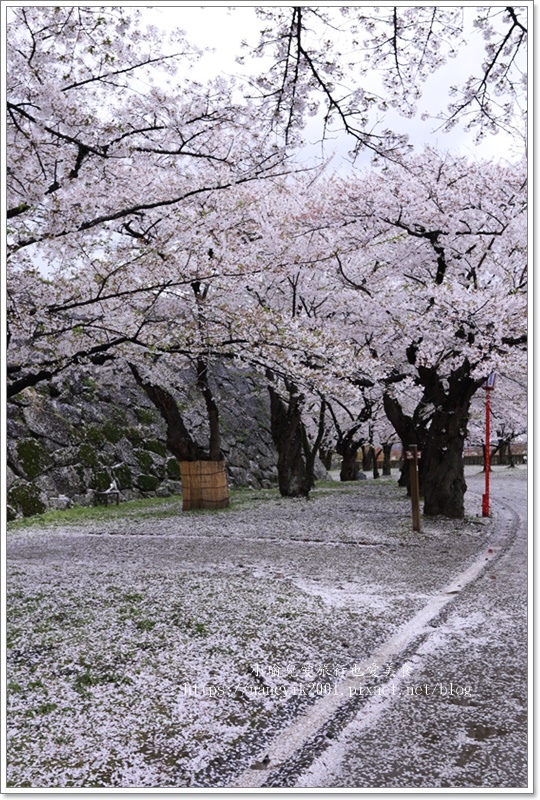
(123, 477)
(87, 455)
(173, 469)
(33, 457)
(25, 497)
(160, 471)
(100, 480)
(112, 432)
(89, 386)
(94, 435)
(145, 416)
(118, 416)
(144, 460)
(147, 483)
(134, 435)
(155, 447)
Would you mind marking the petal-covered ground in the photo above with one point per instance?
(148, 647)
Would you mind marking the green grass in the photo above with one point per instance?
(155, 506)
(162, 507)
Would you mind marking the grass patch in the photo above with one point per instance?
(163, 507)
(153, 506)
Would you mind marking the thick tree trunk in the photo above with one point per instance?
(505, 453)
(441, 470)
(444, 483)
(367, 458)
(349, 465)
(511, 462)
(179, 442)
(203, 486)
(387, 454)
(287, 435)
(404, 472)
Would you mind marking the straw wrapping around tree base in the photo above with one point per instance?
(204, 484)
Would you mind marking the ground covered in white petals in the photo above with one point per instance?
(147, 645)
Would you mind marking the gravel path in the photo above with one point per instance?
(459, 719)
(168, 651)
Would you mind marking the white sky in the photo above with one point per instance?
(224, 27)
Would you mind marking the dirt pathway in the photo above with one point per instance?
(455, 714)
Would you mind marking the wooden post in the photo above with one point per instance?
(413, 455)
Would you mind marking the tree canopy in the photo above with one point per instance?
(160, 221)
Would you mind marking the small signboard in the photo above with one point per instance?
(490, 383)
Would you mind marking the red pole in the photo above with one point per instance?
(485, 497)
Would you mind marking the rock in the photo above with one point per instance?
(124, 451)
(69, 413)
(95, 424)
(15, 428)
(321, 473)
(10, 477)
(45, 424)
(68, 480)
(26, 499)
(60, 503)
(46, 484)
(65, 456)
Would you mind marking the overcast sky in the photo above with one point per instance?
(223, 28)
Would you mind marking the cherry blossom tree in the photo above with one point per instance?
(149, 220)
(311, 366)
(103, 144)
(440, 246)
(351, 64)
(104, 141)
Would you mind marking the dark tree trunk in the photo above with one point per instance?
(375, 455)
(200, 489)
(505, 453)
(326, 457)
(349, 442)
(444, 483)
(288, 437)
(444, 480)
(404, 473)
(349, 464)
(367, 458)
(511, 462)
(311, 450)
(214, 452)
(441, 472)
(179, 441)
(410, 431)
(387, 454)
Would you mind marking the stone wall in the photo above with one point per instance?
(74, 435)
